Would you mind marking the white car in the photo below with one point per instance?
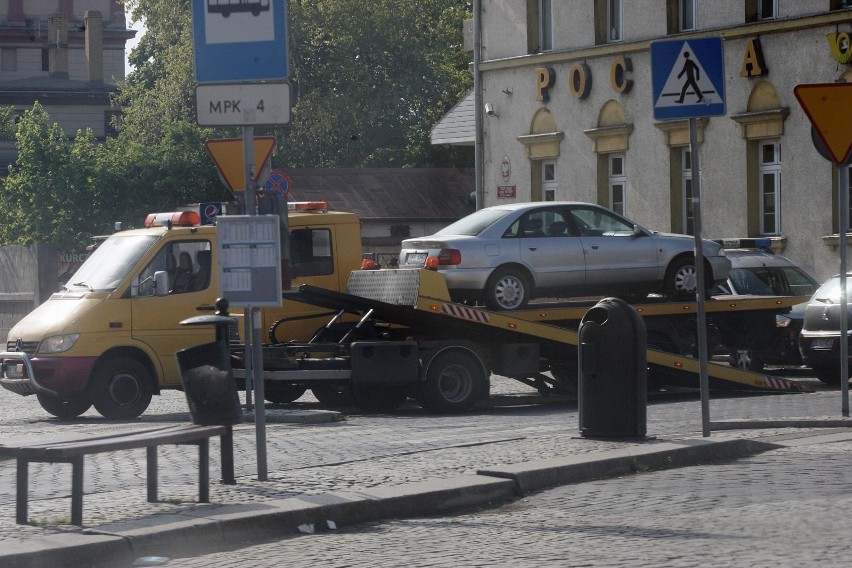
(507, 255)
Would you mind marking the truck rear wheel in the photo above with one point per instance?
(279, 393)
(64, 408)
(122, 388)
(455, 380)
(333, 396)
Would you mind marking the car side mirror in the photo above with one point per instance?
(637, 231)
(161, 283)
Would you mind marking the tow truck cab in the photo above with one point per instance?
(108, 338)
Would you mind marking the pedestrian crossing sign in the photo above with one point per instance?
(688, 78)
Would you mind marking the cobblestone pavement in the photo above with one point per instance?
(788, 507)
(362, 451)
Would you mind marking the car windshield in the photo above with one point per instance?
(474, 223)
(110, 263)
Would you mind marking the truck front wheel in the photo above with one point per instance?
(64, 408)
(455, 380)
(121, 388)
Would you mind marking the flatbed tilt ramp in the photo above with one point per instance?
(418, 299)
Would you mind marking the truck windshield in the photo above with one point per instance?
(110, 263)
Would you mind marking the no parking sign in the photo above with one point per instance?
(278, 182)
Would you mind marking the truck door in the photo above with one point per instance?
(156, 318)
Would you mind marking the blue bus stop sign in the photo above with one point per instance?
(688, 78)
(244, 41)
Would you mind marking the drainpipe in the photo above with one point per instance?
(479, 147)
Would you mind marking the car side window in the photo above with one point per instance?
(540, 223)
(595, 222)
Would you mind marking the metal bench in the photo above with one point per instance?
(73, 452)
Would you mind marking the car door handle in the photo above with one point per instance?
(533, 248)
(595, 247)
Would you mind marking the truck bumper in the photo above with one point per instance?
(25, 375)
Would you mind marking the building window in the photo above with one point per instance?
(613, 20)
(8, 60)
(549, 182)
(545, 12)
(767, 9)
(841, 4)
(770, 188)
(112, 122)
(688, 208)
(617, 184)
(686, 19)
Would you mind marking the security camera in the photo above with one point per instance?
(489, 110)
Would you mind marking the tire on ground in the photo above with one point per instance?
(64, 408)
(121, 388)
(282, 393)
(455, 380)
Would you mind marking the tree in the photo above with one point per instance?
(369, 79)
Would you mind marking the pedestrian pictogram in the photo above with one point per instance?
(688, 78)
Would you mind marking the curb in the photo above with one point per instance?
(216, 527)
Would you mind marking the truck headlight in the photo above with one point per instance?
(58, 343)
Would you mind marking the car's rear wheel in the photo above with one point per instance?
(507, 289)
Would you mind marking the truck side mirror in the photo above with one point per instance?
(161, 283)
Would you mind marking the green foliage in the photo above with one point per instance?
(63, 192)
(370, 79)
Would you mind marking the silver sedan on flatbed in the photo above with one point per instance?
(509, 254)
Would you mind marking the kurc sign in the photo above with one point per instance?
(580, 76)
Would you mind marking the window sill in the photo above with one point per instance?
(833, 241)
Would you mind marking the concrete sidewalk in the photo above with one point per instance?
(120, 527)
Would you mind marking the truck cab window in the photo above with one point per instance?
(310, 252)
(187, 264)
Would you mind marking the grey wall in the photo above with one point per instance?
(28, 275)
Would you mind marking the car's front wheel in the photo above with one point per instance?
(507, 289)
(682, 278)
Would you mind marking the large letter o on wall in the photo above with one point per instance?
(580, 80)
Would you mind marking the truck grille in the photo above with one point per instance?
(28, 347)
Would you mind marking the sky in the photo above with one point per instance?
(140, 27)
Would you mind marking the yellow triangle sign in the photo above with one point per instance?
(827, 106)
(229, 157)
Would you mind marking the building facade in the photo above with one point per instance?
(66, 54)
(567, 114)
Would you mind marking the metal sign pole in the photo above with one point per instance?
(700, 291)
(843, 205)
(253, 317)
